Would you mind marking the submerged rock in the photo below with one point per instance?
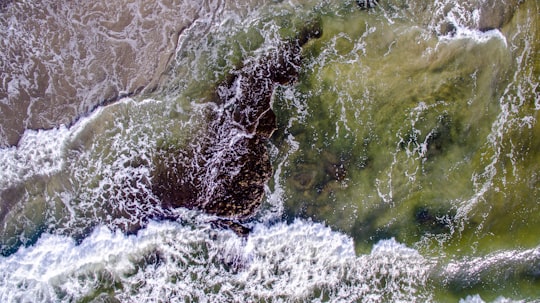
(225, 170)
(494, 14)
(365, 4)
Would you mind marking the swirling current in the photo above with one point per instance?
(270, 151)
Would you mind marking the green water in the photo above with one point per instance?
(394, 131)
(432, 141)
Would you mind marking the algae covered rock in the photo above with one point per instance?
(224, 172)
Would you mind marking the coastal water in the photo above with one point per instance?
(406, 160)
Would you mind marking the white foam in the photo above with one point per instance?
(507, 262)
(463, 32)
(464, 16)
(296, 262)
(43, 152)
(478, 299)
(97, 171)
(39, 153)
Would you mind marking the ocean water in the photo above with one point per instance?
(406, 160)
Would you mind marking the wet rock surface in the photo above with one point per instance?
(225, 171)
(365, 4)
(495, 14)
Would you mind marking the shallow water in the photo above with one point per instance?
(406, 166)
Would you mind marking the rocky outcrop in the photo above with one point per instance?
(494, 14)
(365, 4)
(225, 170)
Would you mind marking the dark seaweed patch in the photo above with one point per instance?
(224, 171)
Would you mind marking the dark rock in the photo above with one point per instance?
(448, 28)
(434, 221)
(311, 30)
(365, 4)
(236, 227)
(225, 170)
(494, 14)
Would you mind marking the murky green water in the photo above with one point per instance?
(399, 132)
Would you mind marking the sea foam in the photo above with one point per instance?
(301, 261)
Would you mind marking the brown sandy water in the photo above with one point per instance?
(61, 59)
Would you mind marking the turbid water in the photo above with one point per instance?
(405, 163)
